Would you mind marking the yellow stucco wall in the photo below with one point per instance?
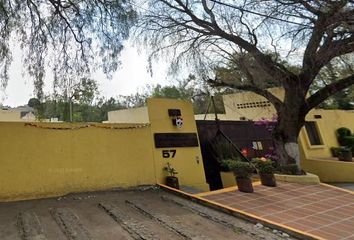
(40, 162)
(327, 125)
(210, 116)
(132, 115)
(317, 159)
(188, 160)
(37, 162)
(330, 170)
(250, 105)
(228, 179)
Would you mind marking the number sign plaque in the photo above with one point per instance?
(167, 140)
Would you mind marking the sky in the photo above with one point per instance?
(129, 78)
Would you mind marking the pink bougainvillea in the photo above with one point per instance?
(268, 123)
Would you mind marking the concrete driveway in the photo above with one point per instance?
(135, 214)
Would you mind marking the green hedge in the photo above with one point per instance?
(348, 141)
(345, 137)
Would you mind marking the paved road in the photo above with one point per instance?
(134, 214)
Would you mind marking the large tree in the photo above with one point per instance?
(311, 34)
(69, 37)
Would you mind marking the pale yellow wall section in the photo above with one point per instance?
(188, 160)
(15, 116)
(327, 125)
(318, 159)
(10, 116)
(132, 115)
(37, 162)
(210, 116)
(249, 105)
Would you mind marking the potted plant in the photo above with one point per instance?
(265, 170)
(243, 172)
(346, 141)
(345, 154)
(291, 169)
(171, 179)
(335, 151)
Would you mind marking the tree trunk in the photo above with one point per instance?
(285, 135)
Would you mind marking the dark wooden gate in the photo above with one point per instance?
(253, 140)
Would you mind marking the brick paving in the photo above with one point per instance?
(320, 210)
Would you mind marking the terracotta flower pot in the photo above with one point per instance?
(268, 179)
(172, 182)
(244, 184)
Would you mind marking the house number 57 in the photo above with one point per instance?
(168, 153)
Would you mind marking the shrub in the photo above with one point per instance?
(240, 169)
(224, 165)
(342, 133)
(290, 169)
(335, 151)
(263, 165)
(348, 141)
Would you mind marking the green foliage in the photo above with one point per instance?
(170, 170)
(242, 65)
(345, 138)
(332, 72)
(240, 169)
(85, 91)
(343, 132)
(348, 141)
(335, 151)
(191, 90)
(37, 106)
(290, 169)
(225, 164)
(263, 165)
(34, 103)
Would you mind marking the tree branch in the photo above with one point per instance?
(277, 103)
(264, 60)
(321, 95)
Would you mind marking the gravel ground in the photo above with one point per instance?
(144, 213)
